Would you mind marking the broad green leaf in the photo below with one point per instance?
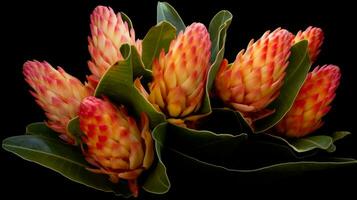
(165, 12)
(137, 64)
(158, 181)
(202, 143)
(202, 140)
(217, 29)
(296, 72)
(228, 154)
(40, 129)
(281, 147)
(270, 172)
(338, 135)
(62, 158)
(218, 33)
(117, 85)
(222, 148)
(158, 38)
(308, 143)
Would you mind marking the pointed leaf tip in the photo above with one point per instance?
(165, 12)
(158, 38)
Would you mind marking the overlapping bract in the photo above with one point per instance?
(114, 142)
(257, 74)
(58, 93)
(315, 37)
(180, 75)
(312, 102)
(109, 32)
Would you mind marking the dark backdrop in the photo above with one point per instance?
(57, 31)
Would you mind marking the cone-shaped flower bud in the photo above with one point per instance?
(256, 76)
(315, 37)
(114, 142)
(109, 32)
(58, 93)
(312, 102)
(180, 75)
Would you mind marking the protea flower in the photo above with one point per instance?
(315, 37)
(109, 32)
(180, 75)
(255, 77)
(58, 93)
(312, 102)
(114, 142)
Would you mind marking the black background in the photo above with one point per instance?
(56, 31)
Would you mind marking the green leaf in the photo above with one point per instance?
(281, 147)
(308, 143)
(338, 135)
(137, 64)
(126, 19)
(75, 130)
(229, 154)
(218, 29)
(117, 85)
(296, 72)
(158, 38)
(200, 143)
(62, 158)
(40, 129)
(218, 157)
(158, 181)
(165, 12)
(269, 172)
(335, 137)
(218, 33)
(331, 149)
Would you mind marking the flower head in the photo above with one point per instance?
(312, 102)
(109, 32)
(256, 76)
(58, 93)
(180, 75)
(114, 142)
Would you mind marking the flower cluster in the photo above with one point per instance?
(113, 143)
(185, 75)
(254, 80)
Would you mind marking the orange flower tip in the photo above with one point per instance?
(89, 106)
(315, 37)
(140, 87)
